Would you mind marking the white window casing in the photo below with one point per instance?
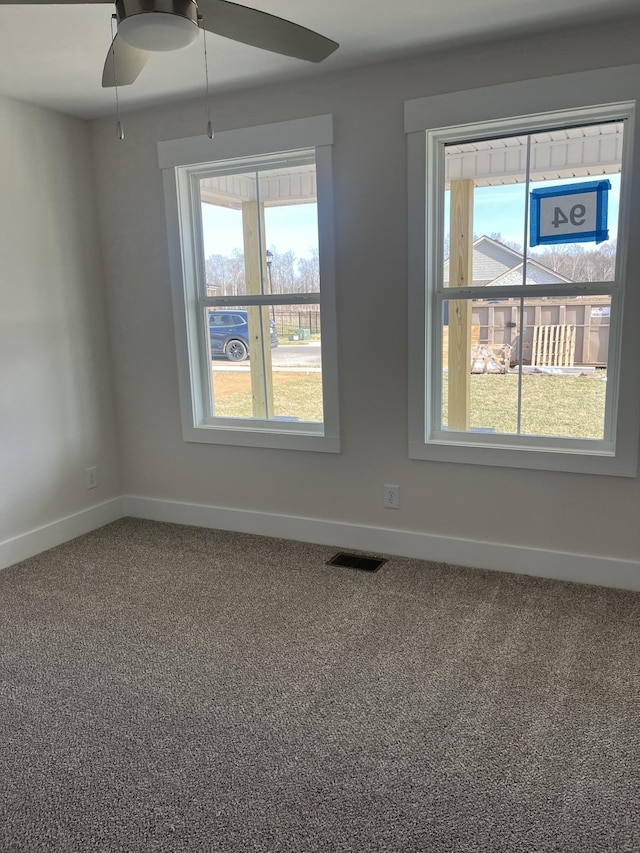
(511, 109)
(181, 161)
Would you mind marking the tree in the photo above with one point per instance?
(578, 263)
(309, 273)
(225, 274)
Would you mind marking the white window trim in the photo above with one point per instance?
(251, 142)
(526, 99)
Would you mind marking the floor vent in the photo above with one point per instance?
(356, 561)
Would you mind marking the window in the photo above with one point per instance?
(249, 221)
(522, 276)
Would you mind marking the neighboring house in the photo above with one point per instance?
(497, 265)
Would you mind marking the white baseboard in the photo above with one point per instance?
(559, 565)
(49, 535)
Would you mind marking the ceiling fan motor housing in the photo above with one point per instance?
(157, 25)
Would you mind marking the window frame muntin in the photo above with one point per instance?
(260, 144)
(533, 105)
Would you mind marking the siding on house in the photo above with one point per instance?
(492, 261)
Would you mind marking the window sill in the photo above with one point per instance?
(589, 461)
(250, 436)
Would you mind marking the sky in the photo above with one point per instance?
(500, 210)
(292, 227)
(497, 210)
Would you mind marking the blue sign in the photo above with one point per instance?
(572, 213)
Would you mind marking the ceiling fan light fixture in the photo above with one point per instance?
(158, 31)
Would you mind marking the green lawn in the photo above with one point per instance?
(295, 395)
(571, 406)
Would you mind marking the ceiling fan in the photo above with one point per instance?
(161, 25)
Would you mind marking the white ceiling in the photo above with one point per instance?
(53, 55)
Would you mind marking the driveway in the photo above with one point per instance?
(291, 357)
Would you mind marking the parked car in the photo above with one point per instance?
(229, 334)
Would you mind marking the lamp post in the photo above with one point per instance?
(269, 256)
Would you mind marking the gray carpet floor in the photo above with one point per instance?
(167, 688)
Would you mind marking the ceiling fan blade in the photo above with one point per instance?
(123, 64)
(259, 29)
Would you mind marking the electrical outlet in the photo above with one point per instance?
(91, 477)
(391, 497)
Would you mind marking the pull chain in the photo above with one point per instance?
(119, 128)
(206, 78)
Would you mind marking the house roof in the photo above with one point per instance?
(494, 263)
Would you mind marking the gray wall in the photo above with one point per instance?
(56, 397)
(575, 513)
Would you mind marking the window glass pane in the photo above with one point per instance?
(281, 381)
(479, 390)
(485, 198)
(567, 167)
(260, 232)
(539, 371)
(564, 364)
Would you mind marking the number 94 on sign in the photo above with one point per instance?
(571, 213)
